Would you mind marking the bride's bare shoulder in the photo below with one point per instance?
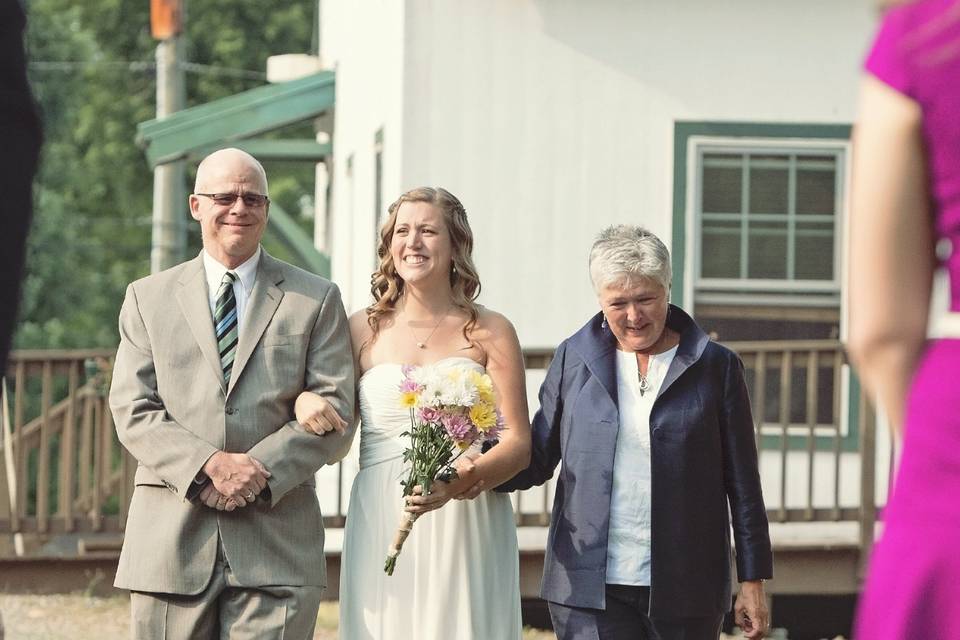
(359, 324)
(493, 327)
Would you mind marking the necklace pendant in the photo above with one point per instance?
(644, 383)
(421, 345)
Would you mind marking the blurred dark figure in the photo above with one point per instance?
(19, 155)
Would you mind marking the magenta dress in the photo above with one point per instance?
(913, 586)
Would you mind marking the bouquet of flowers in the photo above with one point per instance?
(450, 409)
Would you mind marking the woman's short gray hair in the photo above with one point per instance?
(623, 253)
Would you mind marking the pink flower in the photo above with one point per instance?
(429, 414)
(458, 427)
(409, 386)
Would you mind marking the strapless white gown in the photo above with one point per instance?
(458, 573)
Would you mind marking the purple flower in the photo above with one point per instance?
(458, 427)
(493, 433)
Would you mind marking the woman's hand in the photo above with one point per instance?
(750, 610)
(465, 466)
(466, 485)
(317, 415)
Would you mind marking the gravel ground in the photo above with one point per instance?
(80, 617)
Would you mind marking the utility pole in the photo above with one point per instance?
(169, 196)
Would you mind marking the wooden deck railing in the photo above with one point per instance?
(813, 427)
(796, 391)
(71, 475)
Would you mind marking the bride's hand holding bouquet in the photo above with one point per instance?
(462, 485)
(451, 409)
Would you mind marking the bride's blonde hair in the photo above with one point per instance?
(387, 286)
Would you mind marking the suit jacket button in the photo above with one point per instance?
(231, 411)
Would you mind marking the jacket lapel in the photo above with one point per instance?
(194, 300)
(692, 343)
(604, 368)
(263, 303)
(598, 348)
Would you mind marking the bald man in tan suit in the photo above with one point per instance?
(224, 536)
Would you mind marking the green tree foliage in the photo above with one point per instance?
(94, 193)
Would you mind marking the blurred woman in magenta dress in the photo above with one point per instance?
(905, 204)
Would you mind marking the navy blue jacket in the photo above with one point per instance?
(703, 458)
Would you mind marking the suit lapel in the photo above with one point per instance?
(194, 300)
(263, 303)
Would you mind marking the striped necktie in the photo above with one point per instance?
(225, 323)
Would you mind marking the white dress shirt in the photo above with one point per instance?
(242, 286)
(628, 542)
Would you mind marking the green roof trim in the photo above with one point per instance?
(262, 149)
(236, 117)
(293, 238)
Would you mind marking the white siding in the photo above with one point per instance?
(363, 41)
(551, 118)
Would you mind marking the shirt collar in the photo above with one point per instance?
(247, 272)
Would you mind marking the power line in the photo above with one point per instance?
(213, 70)
(140, 66)
(74, 65)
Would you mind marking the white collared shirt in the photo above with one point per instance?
(628, 541)
(242, 286)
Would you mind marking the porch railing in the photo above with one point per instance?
(63, 469)
(807, 429)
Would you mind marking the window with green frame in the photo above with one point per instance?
(768, 222)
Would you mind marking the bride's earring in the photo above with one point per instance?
(603, 325)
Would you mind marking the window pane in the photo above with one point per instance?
(720, 255)
(767, 250)
(814, 251)
(769, 184)
(722, 180)
(816, 185)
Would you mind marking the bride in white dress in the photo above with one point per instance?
(458, 573)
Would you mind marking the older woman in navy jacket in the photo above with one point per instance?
(653, 424)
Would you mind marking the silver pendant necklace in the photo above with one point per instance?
(644, 382)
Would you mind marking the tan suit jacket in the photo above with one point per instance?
(173, 411)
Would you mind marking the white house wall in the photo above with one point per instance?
(551, 119)
(363, 41)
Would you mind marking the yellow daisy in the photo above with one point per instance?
(483, 415)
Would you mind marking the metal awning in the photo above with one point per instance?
(240, 117)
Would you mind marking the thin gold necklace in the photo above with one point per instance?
(423, 344)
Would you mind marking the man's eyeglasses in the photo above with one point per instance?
(227, 199)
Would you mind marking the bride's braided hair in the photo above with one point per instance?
(387, 287)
